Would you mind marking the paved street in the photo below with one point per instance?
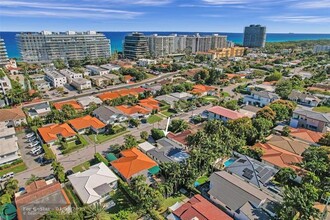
(87, 153)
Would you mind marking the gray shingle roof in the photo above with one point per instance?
(265, 94)
(294, 95)
(234, 192)
(106, 113)
(313, 115)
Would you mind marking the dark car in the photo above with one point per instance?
(69, 172)
(45, 162)
(51, 176)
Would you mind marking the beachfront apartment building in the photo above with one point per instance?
(47, 46)
(254, 36)
(70, 75)
(136, 46)
(3, 53)
(55, 78)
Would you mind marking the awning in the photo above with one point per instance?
(111, 157)
(154, 170)
(8, 211)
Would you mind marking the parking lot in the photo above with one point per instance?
(23, 144)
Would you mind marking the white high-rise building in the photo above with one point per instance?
(48, 46)
(3, 53)
(160, 46)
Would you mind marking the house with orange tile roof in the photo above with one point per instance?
(304, 134)
(135, 111)
(73, 103)
(109, 96)
(39, 198)
(12, 117)
(54, 132)
(128, 78)
(133, 163)
(149, 103)
(87, 123)
(279, 158)
(202, 90)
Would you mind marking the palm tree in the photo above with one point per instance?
(11, 186)
(32, 179)
(95, 212)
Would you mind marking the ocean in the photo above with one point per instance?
(117, 38)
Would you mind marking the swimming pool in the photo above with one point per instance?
(229, 162)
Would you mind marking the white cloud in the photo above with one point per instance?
(299, 19)
(64, 10)
(312, 4)
(225, 2)
(136, 2)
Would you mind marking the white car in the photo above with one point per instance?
(33, 138)
(29, 135)
(7, 176)
(34, 144)
(35, 150)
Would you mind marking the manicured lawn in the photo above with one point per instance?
(122, 203)
(72, 146)
(322, 109)
(100, 138)
(167, 113)
(171, 201)
(202, 180)
(153, 119)
(15, 168)
(210, 98)
(224, 94)
(82, 167)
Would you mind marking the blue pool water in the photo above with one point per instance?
(229, 162)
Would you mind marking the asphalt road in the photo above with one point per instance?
(88, 152)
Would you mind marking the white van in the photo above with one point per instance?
(7, 176)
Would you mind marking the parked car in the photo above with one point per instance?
(34, 144)
(38, 152)
(6, 177)
(51, 176)
(29, 135)
(69, 172)
(46, 162)
(32, 139)
(35, 150)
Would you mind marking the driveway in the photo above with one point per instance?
(28, 159)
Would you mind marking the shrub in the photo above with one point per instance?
(100, 158)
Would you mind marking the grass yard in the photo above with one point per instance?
(82, 167)
(72, 146)
(15, 168)
(201, 180)
(210, 98)
(100, 138)
(153, 119)
(224, 94)
(322, 109)
(122, 203)
(167, 113)
(171, 201)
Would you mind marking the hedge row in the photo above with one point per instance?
(100, 158)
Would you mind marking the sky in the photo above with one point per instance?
(279, 16)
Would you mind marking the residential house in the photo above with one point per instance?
(311, 137)
(260, 98)
(180, 138)
(133, 163)
(146, 62)
(166, 151)
(87, 101)
(39, 110)
(311, 120)
(5, 85)
(12, 117)
(70, 75)
(39, 198)
(55, 79)
(150, 104)
(109, 115)
(278, 158)
(251, 170)
(168, 99)
(37, 77)
(221, 113)
(128, 79)
(97, 70)
(261, 87)
(198, 208)
(287, 143)
(81, 84)
(51, 133)
(105, 80)
(154, 88)
(304, 98)
(20, 79)
(87, 123)
(110, 67)
(146, 146)
(182, 95)
(109, 96)
(135, 111)
(9, 151)
(95, 184)
(73, 103)
(241, 199)
(40, 82)
(202, 90)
